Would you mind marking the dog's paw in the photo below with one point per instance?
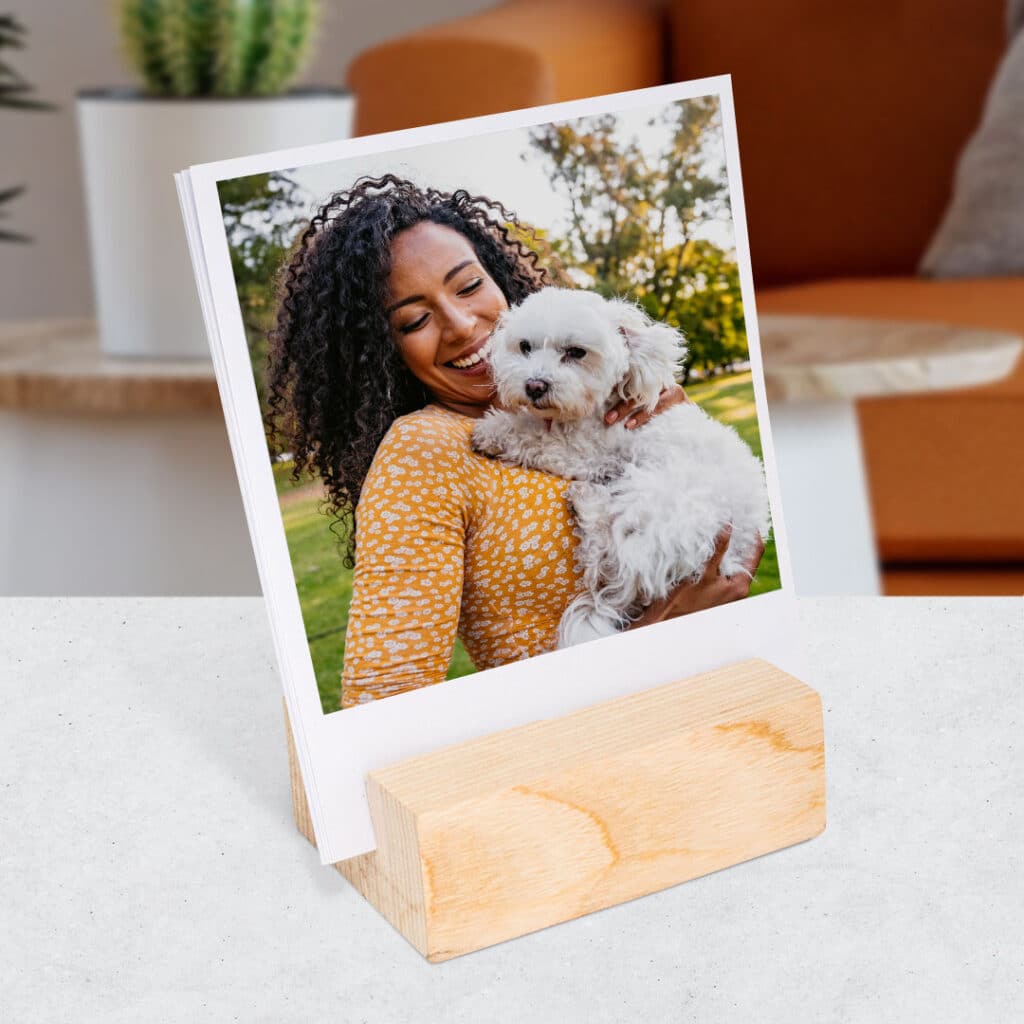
(483, 447)
(488, 437)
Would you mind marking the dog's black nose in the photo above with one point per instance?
(536, 388)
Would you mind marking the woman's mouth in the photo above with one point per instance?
(465, 364)
(471, 364)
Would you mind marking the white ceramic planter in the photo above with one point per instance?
(146, 300)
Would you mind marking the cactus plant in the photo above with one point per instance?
(217, 47)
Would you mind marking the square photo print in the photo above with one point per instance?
(440, 337)
(495, 398)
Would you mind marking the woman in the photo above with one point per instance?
(376, 377)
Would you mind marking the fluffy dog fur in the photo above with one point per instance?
(648, 503)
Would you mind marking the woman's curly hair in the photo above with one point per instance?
(336, 381)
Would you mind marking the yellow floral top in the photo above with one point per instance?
(449, 542)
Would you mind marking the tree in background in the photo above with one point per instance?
(709, 311)
(635, 222)
(263, 215)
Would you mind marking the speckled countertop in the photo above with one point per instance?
(152, 871)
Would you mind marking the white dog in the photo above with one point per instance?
(649, 504)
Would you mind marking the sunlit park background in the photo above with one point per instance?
(631, 204)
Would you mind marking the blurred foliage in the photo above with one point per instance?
(710, 311)
(635, 223)
(263, 215)
(15, 94)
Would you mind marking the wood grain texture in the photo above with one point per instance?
(509, 833)
(57, 366)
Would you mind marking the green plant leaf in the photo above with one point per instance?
(6, 195)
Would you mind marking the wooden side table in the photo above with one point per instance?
(815, 369)
(119, 477)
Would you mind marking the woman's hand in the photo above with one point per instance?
(710, 590)
(637, 417)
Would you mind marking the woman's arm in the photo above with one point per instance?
(407, 587)
(710, 590)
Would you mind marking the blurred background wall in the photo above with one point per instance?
(73, 45)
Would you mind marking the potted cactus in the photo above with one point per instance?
(216, 75)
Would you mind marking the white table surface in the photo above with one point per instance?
(151, 870)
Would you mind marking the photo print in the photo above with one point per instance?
(496, 402)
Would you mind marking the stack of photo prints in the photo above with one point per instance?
(495, 399)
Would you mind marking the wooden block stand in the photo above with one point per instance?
(502, 835)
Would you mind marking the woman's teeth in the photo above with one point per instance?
(464, 364)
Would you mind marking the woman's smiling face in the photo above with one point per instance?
(442, 308)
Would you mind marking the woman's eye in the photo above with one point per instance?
(472, 286)
(524, 347)
(575, 353)
(414, 326)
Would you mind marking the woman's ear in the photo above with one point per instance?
(654, 351)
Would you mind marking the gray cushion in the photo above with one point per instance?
(982, 233)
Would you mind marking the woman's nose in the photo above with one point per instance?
(459, 322)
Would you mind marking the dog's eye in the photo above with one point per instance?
(575, 353)
(524, 347)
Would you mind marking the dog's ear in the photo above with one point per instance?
(654, 351)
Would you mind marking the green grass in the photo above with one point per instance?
(325, 590)
(325, 585)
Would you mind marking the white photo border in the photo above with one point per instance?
(336, 751)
